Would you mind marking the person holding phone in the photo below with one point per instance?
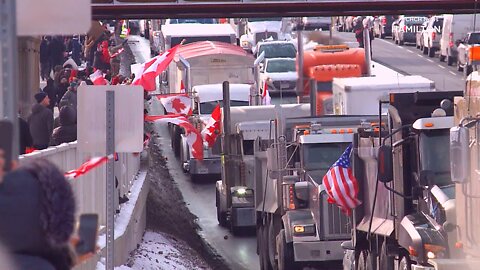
(37, 207)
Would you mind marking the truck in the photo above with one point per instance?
(209, 62)
(236, 208)
(468, 57)
(464, 247)
(296, 226)
(204, 100)
(403, 173)
(323, 64)
(259, 29)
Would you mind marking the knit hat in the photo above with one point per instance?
(40, 96)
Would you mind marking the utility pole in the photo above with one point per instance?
(300, 56)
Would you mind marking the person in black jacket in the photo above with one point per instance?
(67, 130)
(37, 207)
(51, 91)
(25, 137)
(40, 122)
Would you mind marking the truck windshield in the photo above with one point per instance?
(278, 50)
(474, 38)
(320, 157)
(281, 66)
(435, 155)
(208, 107)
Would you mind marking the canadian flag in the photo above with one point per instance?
(87, 166)
(266, 99)
(176, 104)
(212, 129)
(97, 78)
(194, 138)
(147, 79)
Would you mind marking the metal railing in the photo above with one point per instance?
(90, 188)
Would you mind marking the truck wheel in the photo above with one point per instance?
(431, 52)
(286, 259)
(386, 262)
(405, 263)
(176, 140)
(272, 244)
(425, 50)
(221, 216)
(449, 60)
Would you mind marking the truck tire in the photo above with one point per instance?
(450, 60)
(386, 262)
(405, 263)
(272, 244)
(176, 140)
(221, 216)
(286, 258)
(431, 52)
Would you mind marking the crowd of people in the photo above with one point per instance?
(65, 64)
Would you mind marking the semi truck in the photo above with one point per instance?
(296, 226)
(259, 29)
(403, 173)
(235, 191)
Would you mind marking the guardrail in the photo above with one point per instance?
(90, 189)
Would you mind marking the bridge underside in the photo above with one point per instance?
(154, 9)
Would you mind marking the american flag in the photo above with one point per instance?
(341, 185)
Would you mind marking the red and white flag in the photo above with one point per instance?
(176, 104)
(266, 99)
(194, 138)
(341, 185)
(147, 79)
(97, 78)
(182, 87)
(212, 129)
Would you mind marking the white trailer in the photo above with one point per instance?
(360, 95)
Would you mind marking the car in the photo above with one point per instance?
(466, 60)
(279, 75)
(419, 36)
(407, 29)
(382, 26)
(432, 36)
(276, 49)
(455, 27)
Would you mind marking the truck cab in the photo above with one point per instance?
(259, 29)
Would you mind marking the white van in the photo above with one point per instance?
(455, 27)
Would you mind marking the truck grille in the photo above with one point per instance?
(285, 85)
(336, 225)
(264, 35)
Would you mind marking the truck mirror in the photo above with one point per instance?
(302, 191)
(426, 178)
(459, 154)
(385, 164)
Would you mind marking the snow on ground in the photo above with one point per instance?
(163, 252)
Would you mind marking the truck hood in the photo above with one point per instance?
(282, 76)
(256, 27)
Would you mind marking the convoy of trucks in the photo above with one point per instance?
(270, 160)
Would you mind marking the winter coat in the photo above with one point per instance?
(61, 90)
(51, 92)
(37, 207)
(40, 124)
(25, 137)
(69, 99)
(67, 131)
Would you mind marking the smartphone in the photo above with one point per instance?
(87, 234)
(6, 141)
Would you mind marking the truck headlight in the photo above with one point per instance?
(304, 230)
(434, 251)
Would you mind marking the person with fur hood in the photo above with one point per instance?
(37, 207)
(67, 129)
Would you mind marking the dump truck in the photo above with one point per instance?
(403, 173)
(235, 191)
(296, 226)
